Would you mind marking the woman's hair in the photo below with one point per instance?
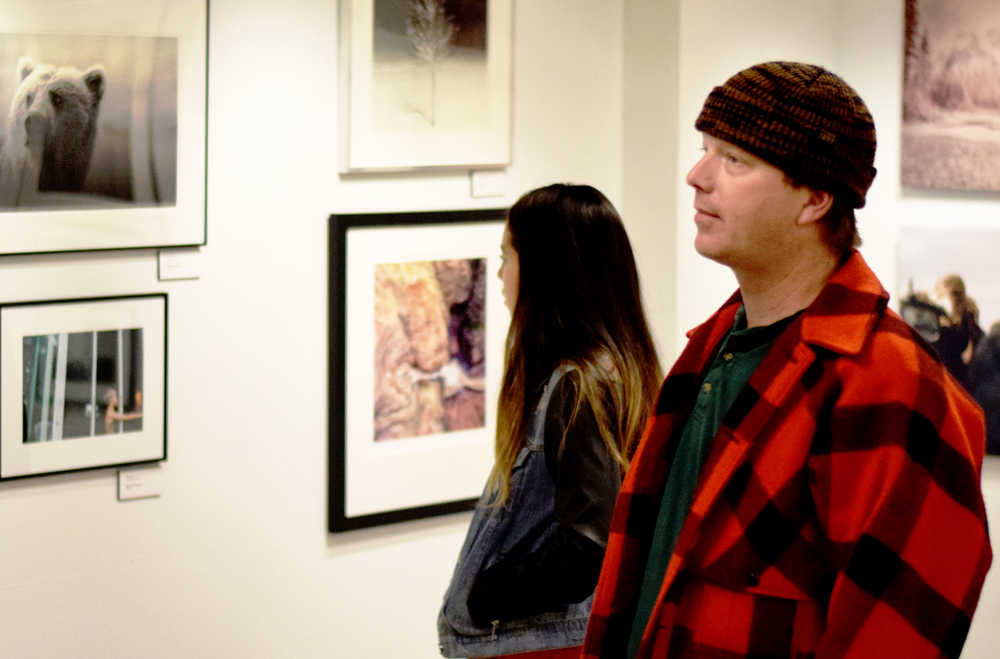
(961, 304)
(578, 304)
(109, 395)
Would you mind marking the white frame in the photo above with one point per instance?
(366, 147)
(129, 227)
(25, 319)
(430, 474)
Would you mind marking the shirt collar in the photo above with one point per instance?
(745, 339)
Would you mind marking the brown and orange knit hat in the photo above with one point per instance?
(803, 120)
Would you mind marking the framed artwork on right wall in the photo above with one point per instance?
(951, 95)
(950, 293)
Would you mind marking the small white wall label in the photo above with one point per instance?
(139, 483)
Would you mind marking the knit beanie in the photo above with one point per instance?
(803, 120)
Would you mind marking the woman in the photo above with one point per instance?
(960, 331)
(580, 377)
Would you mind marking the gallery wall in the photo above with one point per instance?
(233, 559)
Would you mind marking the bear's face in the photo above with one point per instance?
(57, 107)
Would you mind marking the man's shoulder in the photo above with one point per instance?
(894, 339)
(897, 364)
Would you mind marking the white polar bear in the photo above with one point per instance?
(50, 130)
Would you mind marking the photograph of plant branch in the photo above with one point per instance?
(429, 64)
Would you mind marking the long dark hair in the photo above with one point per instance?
(579, 304)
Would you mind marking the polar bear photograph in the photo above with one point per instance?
(91, 122)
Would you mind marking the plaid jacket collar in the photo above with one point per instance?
(840, 319)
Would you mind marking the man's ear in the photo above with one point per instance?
(816, 207)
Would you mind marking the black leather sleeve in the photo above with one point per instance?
(565, 568)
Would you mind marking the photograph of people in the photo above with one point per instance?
(113, 414)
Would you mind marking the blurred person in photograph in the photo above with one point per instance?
(959, 331)
(984, 380)
(112, 415)
(580, 376)
(809, 484)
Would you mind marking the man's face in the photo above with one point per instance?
(746, 212)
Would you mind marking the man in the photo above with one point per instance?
(809, 486)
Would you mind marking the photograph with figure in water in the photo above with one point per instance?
(417, 340)
(430, 347)
(949, 293)
(951, 95)
(103, 140)
(82, 384)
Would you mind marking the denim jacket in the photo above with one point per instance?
(493, 532)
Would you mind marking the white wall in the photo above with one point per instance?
(651, 47)
(234, 558)
(719, 38)
(862, 41)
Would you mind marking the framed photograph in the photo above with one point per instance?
(103, 146)
(950, 293)
(951, 95)
(425, 83)
(82, 384)
(417, 328)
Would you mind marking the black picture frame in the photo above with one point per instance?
(374, 480)
(63, 364)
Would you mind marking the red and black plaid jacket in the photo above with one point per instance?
(839, 512)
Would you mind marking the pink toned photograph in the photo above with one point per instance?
(430, 339)
(951, 95)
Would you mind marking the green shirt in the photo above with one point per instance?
(740, 353)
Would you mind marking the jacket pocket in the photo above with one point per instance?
(754, 579)
(766, 621)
